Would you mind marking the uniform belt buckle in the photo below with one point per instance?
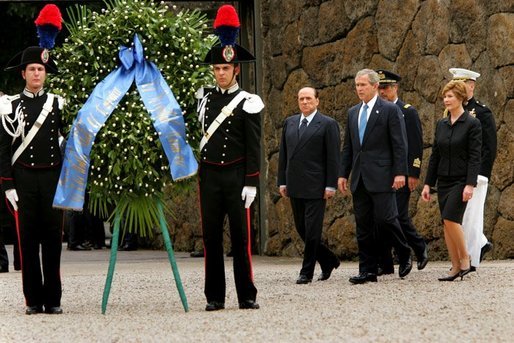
(226, 111)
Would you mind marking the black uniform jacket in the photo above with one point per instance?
(414, 138)
(484, 114)
(237, 139)
(307, 166)
(43, 151)
(383, 153)
(456, 150)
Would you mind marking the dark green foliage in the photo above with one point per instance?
(129, 169)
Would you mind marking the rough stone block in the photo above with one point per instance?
(503, 239)
(394, 19)
(501, 35)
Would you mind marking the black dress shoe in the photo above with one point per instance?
(326, 275)
(4, 269)
(79, 247)
(17, 267)
(53, 310)
(248, 305)
(363, 278)
(423, 260)
(214, 306)
(385, 271)
(472, 269)
(128, 247)
(405, 268)
(302, 280)
(196, 254)
(485, 249)
(33, 310)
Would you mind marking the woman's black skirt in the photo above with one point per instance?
(449, 195)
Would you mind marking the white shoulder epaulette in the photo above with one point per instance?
(203, 91)
(253, 103)
(5, 103)
(60, 101)
(199, 93)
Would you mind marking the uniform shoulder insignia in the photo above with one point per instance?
(483, 105)
(199, 93)
(60, 101)
(416, 163)
(5, 103)
(407, 105)
(253, 104)
(203, 91)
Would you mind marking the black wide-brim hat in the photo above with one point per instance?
(228, 54)
(32, 54)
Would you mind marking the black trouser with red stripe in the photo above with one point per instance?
(40, 226)
(220, 195)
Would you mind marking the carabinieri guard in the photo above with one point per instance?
(30, 164)
(229, 165)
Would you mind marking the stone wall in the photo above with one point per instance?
(324, 43)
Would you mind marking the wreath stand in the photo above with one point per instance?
(169, 249)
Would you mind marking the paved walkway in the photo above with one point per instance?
(144, 305)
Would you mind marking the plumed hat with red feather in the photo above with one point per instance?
(48, 25)
(226, 26)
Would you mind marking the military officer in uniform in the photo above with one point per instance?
(30, 164)
(388, 90)
(473, 221)
(229, 168)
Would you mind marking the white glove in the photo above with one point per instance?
(248, 195)
(12, 196)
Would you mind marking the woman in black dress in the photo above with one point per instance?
(454, 165)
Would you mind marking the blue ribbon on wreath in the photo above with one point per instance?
(159, 101)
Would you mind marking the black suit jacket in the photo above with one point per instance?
(414, 138)
(456, 150)
(489, 140)
(383, 153)
(310, 164)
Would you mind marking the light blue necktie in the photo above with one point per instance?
(363, 121)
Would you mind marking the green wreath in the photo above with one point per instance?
(129, 170)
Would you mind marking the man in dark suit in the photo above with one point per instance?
(375, 152)
(307, 174)
(388, 90)
(473, 221)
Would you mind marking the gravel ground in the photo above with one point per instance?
(144, 305)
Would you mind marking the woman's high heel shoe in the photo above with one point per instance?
(450, 277)
(464, 272)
